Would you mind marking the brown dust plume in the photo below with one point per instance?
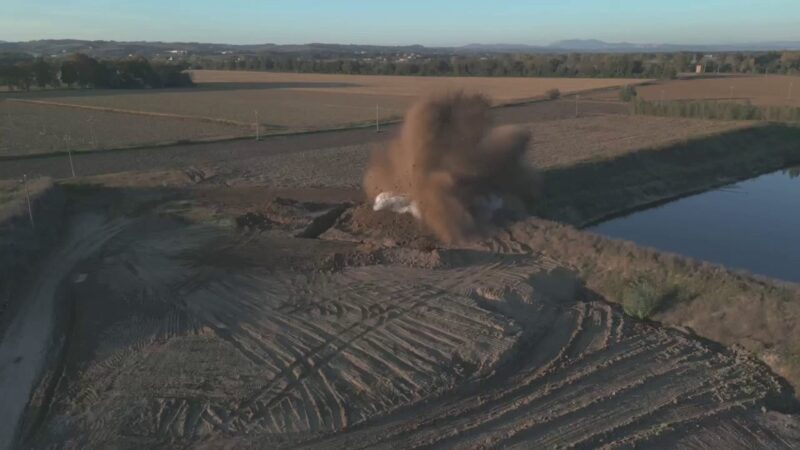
(449, 160)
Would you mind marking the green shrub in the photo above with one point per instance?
(553, 94)
(627, 93)
(642, 297)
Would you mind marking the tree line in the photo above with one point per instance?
(657, 65)
(21, 72)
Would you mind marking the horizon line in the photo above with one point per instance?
(549, 44)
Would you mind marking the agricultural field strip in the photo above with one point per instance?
(132, 111)
(503, 90)
(499, 88)
(774, 90)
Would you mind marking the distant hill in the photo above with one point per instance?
(597, 46)
(594, 45)
(521, 48)
(115, 49)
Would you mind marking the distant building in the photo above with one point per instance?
(698, 68)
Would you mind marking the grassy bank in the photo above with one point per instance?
(733, 308)
(589, 192)
(716, 110)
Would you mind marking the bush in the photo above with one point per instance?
(553, 94)
(627, 93)
(641, 298)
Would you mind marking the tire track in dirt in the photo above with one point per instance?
(633, 397)
(465, 349)
(384, 329)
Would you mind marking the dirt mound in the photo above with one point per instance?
(383, 228)
(451, 163)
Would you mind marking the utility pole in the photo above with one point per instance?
(67, 140)
(28, 198)
(91, 130)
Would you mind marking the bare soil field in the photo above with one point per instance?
(247, 336)
(278, 108)
(772, 90)
(501, 89)
(555, 143)
(184, 155)
(572, 141)
(27, 129)
(231, 103)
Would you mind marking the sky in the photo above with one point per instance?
(402, 22)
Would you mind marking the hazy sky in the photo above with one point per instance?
(428, 22)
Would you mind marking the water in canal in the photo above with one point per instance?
(752, 225)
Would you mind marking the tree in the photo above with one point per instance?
(43, 73)
(69, 73)
(24, 72)
(16, 70)
(17, 76)
(172, 75)
(132, 73)
(80, 69)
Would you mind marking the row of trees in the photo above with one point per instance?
(660, 65)
(22, 72)
(523, 65)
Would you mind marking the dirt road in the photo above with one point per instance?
(28, 340)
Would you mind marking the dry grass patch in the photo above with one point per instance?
(729, 307)
(773, 90)
(566, 142)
